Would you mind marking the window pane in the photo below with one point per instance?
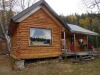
(40, 36)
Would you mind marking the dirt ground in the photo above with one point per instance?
(51, 67)
(5, 66)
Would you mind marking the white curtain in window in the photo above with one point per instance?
(32, 31)
(47, 34)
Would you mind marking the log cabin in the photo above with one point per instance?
(39, 32)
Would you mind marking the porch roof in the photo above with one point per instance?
(78, 29)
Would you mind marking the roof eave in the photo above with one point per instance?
(96, 34)
(56, 15)
(16, 17)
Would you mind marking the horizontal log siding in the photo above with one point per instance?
(14, 45)
(39, 19)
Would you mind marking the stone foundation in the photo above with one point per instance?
(19, 64)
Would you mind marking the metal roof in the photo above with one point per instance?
(78, 29)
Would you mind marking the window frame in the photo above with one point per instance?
(40, 45)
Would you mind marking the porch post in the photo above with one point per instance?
(74, 43)
(97, 42)
(87, 42)
(64, 41)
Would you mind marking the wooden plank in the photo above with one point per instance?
(42, 55)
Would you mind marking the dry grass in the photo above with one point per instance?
(53, 67)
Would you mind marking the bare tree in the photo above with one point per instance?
(92, 4)
(22, 4)
(3, 22)
(6, 12)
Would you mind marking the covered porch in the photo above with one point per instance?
(76, 41)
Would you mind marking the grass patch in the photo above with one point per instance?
(66, 68)
(11, 60)
(54, 68)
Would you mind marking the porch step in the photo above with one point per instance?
(87, 58)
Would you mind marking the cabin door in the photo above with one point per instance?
(72, 47)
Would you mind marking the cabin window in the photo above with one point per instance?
(40, 36)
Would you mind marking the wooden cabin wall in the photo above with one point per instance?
(39, 19)
(14, 45)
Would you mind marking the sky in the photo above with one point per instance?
(67, 7)
(64, 7)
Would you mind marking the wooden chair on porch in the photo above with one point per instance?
(72, 48)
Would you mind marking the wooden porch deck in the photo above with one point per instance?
(81, 53)
(82, 56)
